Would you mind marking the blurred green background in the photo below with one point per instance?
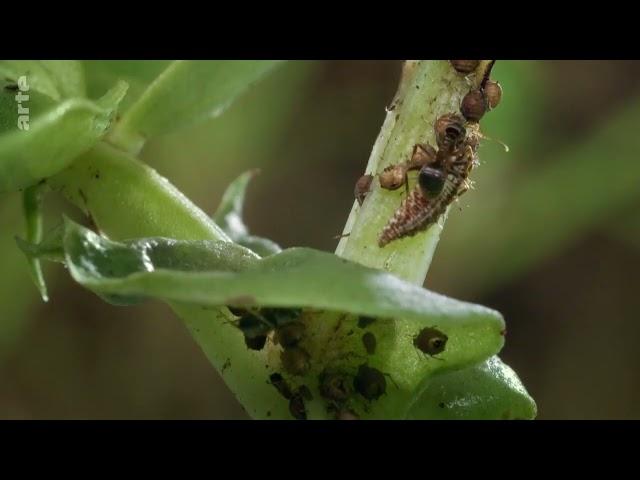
(550, 237)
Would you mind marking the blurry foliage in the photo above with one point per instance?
(562, 274)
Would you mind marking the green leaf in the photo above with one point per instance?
(213, 273)
(55, 138)
(57, 79)
(485, 391)
(229, 217)
(185, 93)
(102, 74)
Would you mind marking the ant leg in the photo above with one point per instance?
(423, 154)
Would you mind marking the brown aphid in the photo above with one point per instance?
(493, 92)
(465, 66)
(334, 386)
(295, 360)
(474, 105)
(362, 187)
(281, 385)
(394, 176)
(450, 132)
(290, 334)
(255, 343)
(364, 322)
(370, 382)
(237, 311)
(346, 414)
(369, 342)
(297, 408)
(430, 341)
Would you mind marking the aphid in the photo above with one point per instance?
(438, 185)
(450, 133)
(364, 322)
(280, 316)
(362, 188)
(255, 343)
(346, 414)
(290, 334)
(237, 311)
(493, 92)
(474, 105)
(370, 382)
(369, 342)
(430, 341)
(465, 66)
(253, 325)
(395, 176)
(297, 408)
(334, 386)
(281, 385)
(295, 360)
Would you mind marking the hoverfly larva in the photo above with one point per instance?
(439, 183)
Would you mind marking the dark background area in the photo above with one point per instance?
(550, 237)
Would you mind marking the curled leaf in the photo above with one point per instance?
(229, 217)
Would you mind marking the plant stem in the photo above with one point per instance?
(428, 89)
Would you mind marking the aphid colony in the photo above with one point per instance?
(338, 387)
(443, 173)
(442, 178)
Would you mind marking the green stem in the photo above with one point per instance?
(428, 89)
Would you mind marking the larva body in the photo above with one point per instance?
(420, 210)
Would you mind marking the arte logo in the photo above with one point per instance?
(22, 97)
